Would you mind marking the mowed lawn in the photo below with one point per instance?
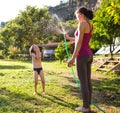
(62, 93)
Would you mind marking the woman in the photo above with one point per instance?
(83, 55)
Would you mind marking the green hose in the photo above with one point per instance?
(77, 82)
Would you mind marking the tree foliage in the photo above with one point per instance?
(32, 25)
(60, 52)
(33, 22)
(27, 28)
(106, 24)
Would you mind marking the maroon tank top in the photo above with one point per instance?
(85, 48)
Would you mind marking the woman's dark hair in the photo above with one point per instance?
(88, 13)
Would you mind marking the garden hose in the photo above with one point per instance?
(77, 82)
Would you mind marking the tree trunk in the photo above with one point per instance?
(111, 54)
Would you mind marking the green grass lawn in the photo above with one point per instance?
(62, 94)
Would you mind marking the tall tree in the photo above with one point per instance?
(27, 28)
(106, 24)
(34, 22)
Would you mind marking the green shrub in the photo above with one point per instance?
(13, 51)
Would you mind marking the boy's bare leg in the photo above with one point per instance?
(42, 80)
(35, 82)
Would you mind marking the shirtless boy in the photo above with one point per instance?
(37, 67)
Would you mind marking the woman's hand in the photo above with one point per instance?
(66, 36)
(71, 62)
(69, 37)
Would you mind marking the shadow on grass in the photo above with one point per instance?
(109, 91)
(1, 74)
(72, 88)
(51, 73)
(105, 91)
(12, 67)
(59, 101)
(16, 102)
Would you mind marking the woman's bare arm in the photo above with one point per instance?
(81, 28)
(68, 37)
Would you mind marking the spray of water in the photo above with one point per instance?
(55, 25)
(62, 29)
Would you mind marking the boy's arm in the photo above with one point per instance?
(32, 55)
(38, 53)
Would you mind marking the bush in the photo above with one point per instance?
(60, 52)
(13, 51)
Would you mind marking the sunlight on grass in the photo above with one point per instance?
(62, 94)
